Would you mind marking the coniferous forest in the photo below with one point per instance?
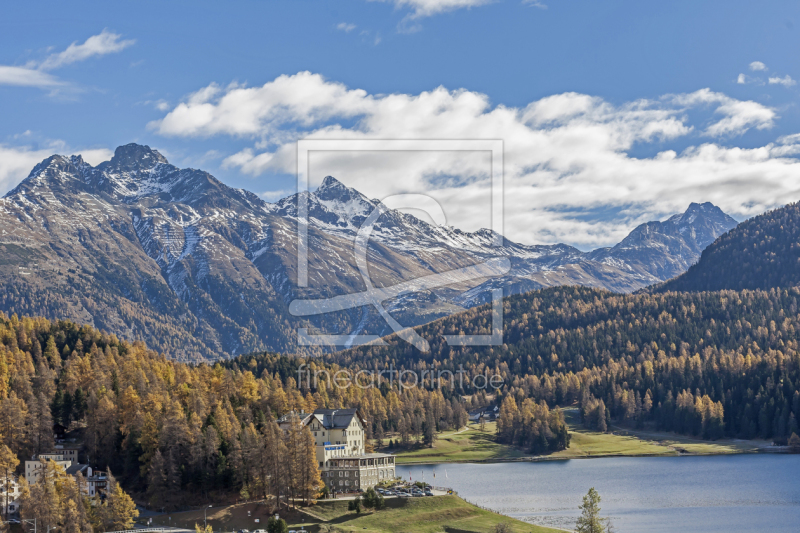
(760, 253)
(710, 364)
(172, 432)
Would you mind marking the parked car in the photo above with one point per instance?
(428, 493)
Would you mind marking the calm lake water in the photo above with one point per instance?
(729, 493)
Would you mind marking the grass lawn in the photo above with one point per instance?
(226, 518)
(419, 515)
(472, 445)
(436, 514)
(633, 442)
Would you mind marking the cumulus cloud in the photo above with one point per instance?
(757, 66)
(738, 115)
(16, 162)
(786, 81)
(35, 73)
(570, 175)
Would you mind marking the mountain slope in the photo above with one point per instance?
(198, 269)
(760, 253)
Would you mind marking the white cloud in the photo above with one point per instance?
(535, 3)
(756, 66)
(738, 115)
(35, 74)
(345, 27)
(97, 45)
(742, 79)
(271, 196)
(569, 172)
(27, 77)
(427, 8)
(16, 162)
(786, 81)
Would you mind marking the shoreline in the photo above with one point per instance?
(473, 445)
(544, 458)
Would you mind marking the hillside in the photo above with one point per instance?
(174, 432)
(410, 515)
(708, 364)
(760, 253)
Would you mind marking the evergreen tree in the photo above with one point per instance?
(590, 521)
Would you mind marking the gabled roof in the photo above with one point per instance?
(75, 468)
(337, 418)
(286, 419)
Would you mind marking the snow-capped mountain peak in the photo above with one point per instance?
(151, 248)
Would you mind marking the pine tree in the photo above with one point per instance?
(119, 511)
(157, 483)
(590, 521)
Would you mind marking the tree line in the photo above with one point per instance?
(708, 364)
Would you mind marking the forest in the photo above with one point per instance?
(764, 249)
(172, 432)
(710, 364)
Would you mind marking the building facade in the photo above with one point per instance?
(9, 496)
(340, 438)
(92, 482)
(37, 464)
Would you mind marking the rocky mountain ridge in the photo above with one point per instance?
(201, 270)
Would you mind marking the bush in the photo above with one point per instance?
(277, 525)
(794, 443)
(355, 505)
(373, 500)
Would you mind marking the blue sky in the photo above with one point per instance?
(607, 94)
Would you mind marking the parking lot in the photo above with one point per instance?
(402, 490)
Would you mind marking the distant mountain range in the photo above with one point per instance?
(760, 253)
(141, 248)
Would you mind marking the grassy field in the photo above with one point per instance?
(473, 445)
(632, 442)
(436, 514)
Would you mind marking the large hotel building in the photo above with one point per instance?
(343, 463)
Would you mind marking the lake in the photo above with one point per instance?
(696, 494)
